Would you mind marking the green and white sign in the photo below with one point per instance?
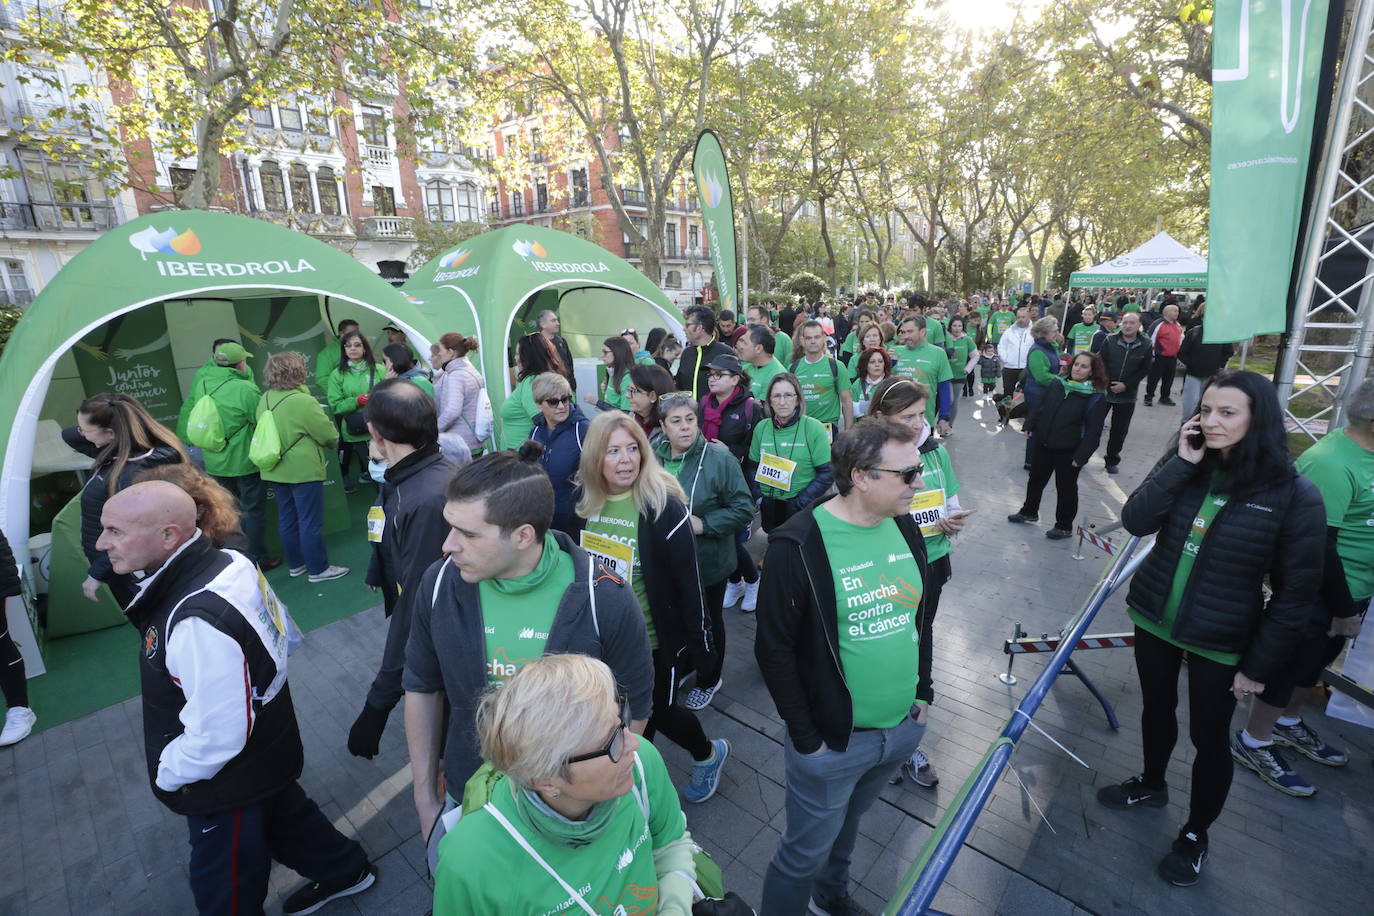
(718, 213)
(132, 354)
(1266, 64)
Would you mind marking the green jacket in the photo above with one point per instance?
(306, 431)
(236, 395)
(342, 390)
(184, 415)
(326, 361)
(716, 494)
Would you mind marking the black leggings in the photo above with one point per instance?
(678, 724)
(12, 680)
(715, 606)
(347, 451)
(1058, 462)
(940, 572)
(1210, 704)
(746, 570)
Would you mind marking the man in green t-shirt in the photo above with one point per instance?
(919, 361)
(782, 344)
(1341, 466)
(1080, 336)
(824, 379)
(838, 645)
(509, 589)
(999, 321)
(755, 350)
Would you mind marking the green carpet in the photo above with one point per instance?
(90, 671)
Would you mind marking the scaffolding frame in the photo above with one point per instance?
(1347, 313)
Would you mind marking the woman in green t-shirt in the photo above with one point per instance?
(789, 459)
(618, 357)
(936, 507)
(578, 795)
(634, 518)
(871, 337)
(534, 356)
(874, 365)
(346, 389)
(962, 346)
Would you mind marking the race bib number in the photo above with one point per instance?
(775, 471)
(619, 558)
(376, 524)
(928, 507)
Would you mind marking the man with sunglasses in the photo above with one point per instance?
(839, 622)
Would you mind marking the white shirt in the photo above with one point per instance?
(1015, 346)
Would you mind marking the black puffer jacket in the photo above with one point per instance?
(97, 491)
(1069, 420)
(1279, 531)
(9, 571)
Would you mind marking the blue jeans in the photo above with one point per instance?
(827, 793)
(300, 518)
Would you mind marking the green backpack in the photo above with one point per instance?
(204, 428)
(265, 449)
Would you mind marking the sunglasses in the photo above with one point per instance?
(558, 402)
(616, 745)
(908, 475)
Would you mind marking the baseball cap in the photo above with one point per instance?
(392, 327)
(1111, 315)
(231, 354)
(726, 362)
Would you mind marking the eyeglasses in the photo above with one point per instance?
(605, 351)
(715, 374)
(558, 402)
(783, 396)
(616, 746)
(908, 475)
(632, 390)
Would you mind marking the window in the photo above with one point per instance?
(329, 191)
(509, 146)
(469, 203)
(262, 117)
(536, 145)
(17, 290)
(273, 187)
(317, 115)
(693, 236)
(181, 179)
(300, 190)
(541, 197)
(494, 205)
(374, 125)
(439, 202)
(290, 116)
(63, 195)
(673, 279)
(580, 197)
(670, 240)
(517, 203)
(383, 200)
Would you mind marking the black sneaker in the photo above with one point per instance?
(1149, 401)
(1133, 794)
(1182, 867)
(315, 895)
(1020, 518)
(1113, 469)
(1058, 534)
(1165, 402)
(843, 906)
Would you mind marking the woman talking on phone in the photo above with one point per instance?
(936, 507)
(1228, 510)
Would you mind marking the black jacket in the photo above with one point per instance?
(413, 533)
(672, 579)
(691, 368)
(560, 346)
(97, 491)
(10, 585)
(797, 644)
(742, 413)
(192, 584)
(1278, 531)
(1065, 420)
(1126, 362)
(1203, 360)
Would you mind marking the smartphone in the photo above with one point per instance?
(962, 513)
(1197, 440)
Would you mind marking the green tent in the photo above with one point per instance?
(503, 279)
(136, 312)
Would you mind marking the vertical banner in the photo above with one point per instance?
(718, 213)
(1266, 68)
(132, 354)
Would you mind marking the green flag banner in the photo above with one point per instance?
(1266, 67)
(718, 213)
(132, 354)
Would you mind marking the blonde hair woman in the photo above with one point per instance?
(580, 792)
(633, 516)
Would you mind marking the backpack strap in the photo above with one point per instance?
(534, 854)
(591, 593)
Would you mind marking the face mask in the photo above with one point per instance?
(377, 471)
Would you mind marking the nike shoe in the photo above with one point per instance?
(1305, 741)
(315, 895)
(1182, 867)
(1133, 793)
(1269, 764)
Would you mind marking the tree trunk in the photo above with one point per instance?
(829, 248)
(200, 194)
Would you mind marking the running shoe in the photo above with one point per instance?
(297, 571)
(19, 721)
(840, 906)
(751, 597)
(1021, 518)
(1182, 867)
(315, 895)
(1058, 534)
(1133, 793)
(921, 770)
(329, 572)
(1305, 741)
(734, 591)
(700, 697)
(706, 774)
(1268, 763)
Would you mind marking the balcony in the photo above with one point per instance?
(517, 205)
(539, 157)
(76, 216)
(52, 119)
(378, 156)
(494, 211)
(632, 197)
(389, 228)
(671, 252)
(632, 252)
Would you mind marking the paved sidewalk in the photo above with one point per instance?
(80, 832)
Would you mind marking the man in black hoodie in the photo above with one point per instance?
(839, 621)
(406, 528)
(700, 327)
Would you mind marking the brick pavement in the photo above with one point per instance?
(80, 833)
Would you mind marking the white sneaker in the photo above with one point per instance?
(18, 723)
(700, 697)
(329, 572)
(751, 596)
(734, 591)
(297, 571)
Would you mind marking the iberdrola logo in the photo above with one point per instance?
(529, 249)
(455, 257)
(168, 241)
(710, 187)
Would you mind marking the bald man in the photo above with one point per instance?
(220, 733)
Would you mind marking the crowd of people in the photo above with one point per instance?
(557, 591)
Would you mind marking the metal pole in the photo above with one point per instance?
(1245, 351)
(744, 285)
(856, 268)
(1352, 67)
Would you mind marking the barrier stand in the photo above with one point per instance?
(1089, 532)
(1023, 645)
(922, 880)
(1010, 678)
